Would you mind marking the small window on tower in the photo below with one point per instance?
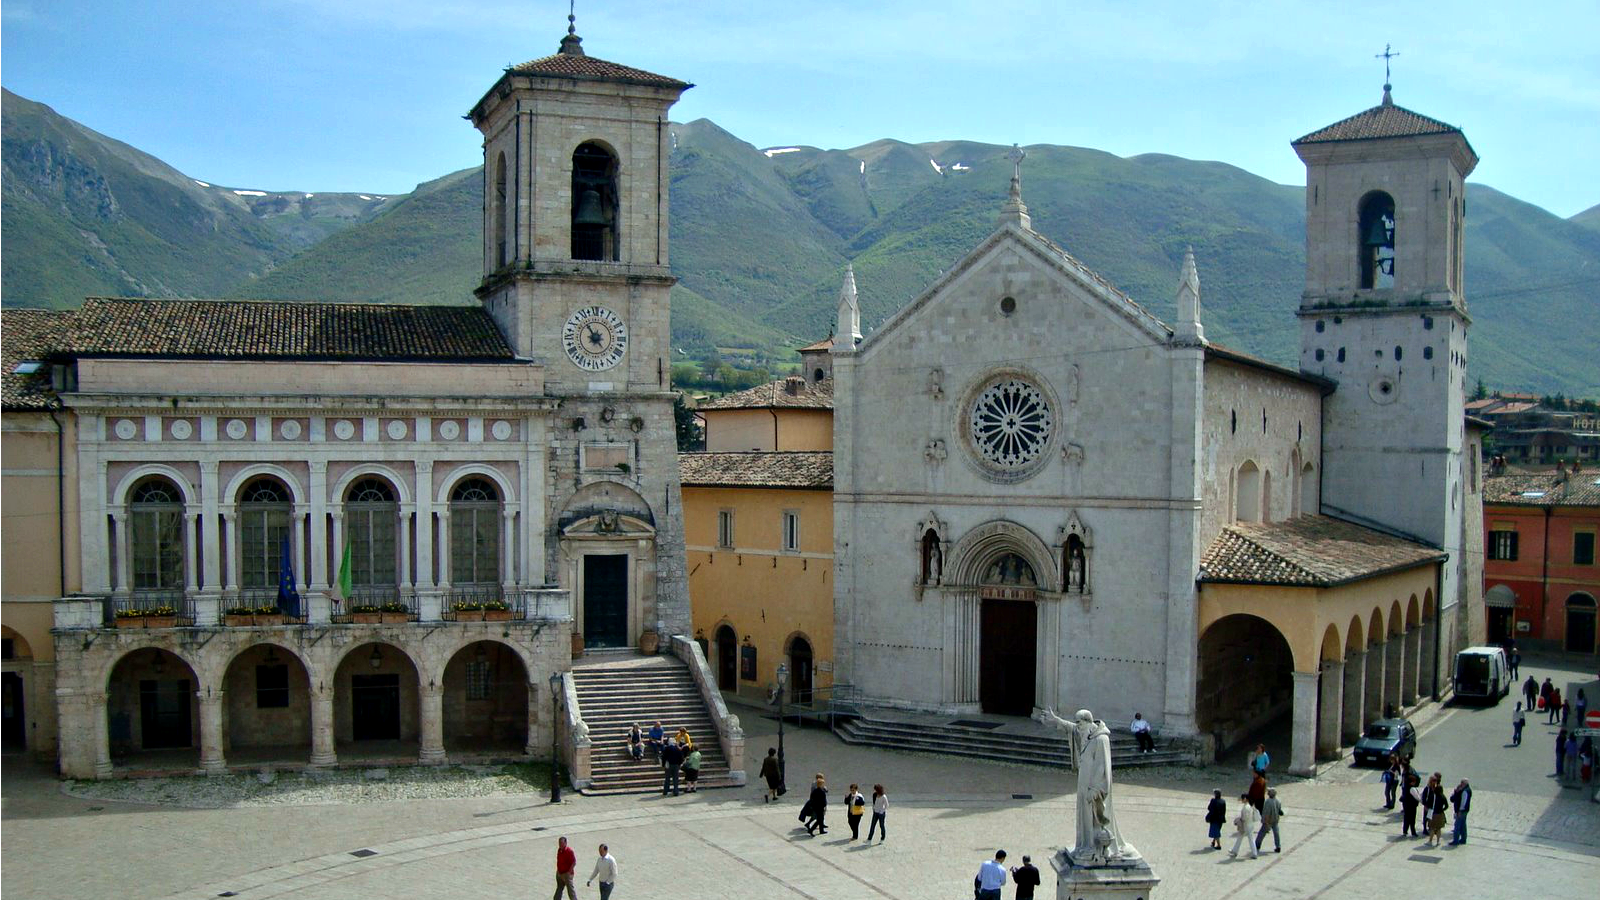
(1376, 238)
(594, 203)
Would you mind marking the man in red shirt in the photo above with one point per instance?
(566, 870)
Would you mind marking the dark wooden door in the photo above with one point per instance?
(375, 707)
(605, 600)
(164, 714)
(1006, 657)
(16, 728)
(1580, 629)
(800, 672)
(727, 659)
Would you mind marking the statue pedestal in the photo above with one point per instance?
(1130, 879)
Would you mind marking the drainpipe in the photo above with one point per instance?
(61, 493)
(774, 412)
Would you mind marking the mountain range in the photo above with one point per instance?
(760, 239)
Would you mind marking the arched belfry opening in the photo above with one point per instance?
(497, 213)
(1376, 234)
(594, 203)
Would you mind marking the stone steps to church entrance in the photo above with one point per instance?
(616, 691)
(941, 735)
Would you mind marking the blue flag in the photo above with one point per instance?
(288, 597)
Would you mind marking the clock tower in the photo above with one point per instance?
(575, 272)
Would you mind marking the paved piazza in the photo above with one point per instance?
(1528, 837)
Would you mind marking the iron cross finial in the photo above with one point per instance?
(572, 17)
(1386, 55)
(1017, 155)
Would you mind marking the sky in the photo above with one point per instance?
(367, 95)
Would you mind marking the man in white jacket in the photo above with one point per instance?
(605, 869)
(1245, 827)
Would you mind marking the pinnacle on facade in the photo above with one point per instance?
(847, 330)
(1189, 329)
(1014, 211)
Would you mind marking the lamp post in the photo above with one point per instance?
(555, 732)
(783, 689)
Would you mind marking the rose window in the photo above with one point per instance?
(1010, 424)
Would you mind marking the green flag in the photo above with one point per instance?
(344, 575)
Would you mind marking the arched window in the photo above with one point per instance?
(370, 515)
(1376, 238)
(475, 533)
(932, 557)
(497, 212)
(264, 510)
(155, 536)
(594, 203)
(1308, 491)
(1247, 494)
(800, 672)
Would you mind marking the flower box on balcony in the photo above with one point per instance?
(237, 620)
(147, 621)
(372, 617)
(497, 615)
(270, 618)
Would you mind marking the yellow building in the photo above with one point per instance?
(758, 524)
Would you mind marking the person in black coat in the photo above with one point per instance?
(1409, 798)
(1216, 816)
(772, 775)
(672, 758)
(815, 811)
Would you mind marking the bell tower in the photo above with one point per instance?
(576, 275)
(1384, 315)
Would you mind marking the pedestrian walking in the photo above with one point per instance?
(1517, 720)
(672, 758)
(772, 775)
(855, 806)
(1244, 827)
(1410, 799)
(1271, 812)
(1570, 770)
(1141, 733)
(1516, 663)
(1216, 815)
(605, 869)
(1530, 692)
(815, 812)
(880, 814)
(1555, 706)
(1561, 750)
(1391, 781)
(1259, 760)
(1025, 877)
(1257, 794)
(1461, 799)
(691, 769)
(566, 870)
(1433, 805)
(1581, 708)
(991, 877)
(1566, 712)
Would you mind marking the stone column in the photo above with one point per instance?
(407, 583)
(425, 578)
(1303, 731)
(508, 548)
(338, 545)
(84, 743)
(1354, 699)
(191, 559)
(432, 725)
(1408, 682)
(537, 737)
(298, 553)
(444, 547)
(210, 539)
(212, 760)
(230, 581)
(319, 525)
(1394, 667)
(124, 552)
(322, 745)
(1426, 675)
(1377, 655)
(1330, 708)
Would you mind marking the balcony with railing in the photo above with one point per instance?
(262, 606)
(149, 609)
(481, 603)
(371, 604)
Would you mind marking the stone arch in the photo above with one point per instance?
(725, 638)
(261, 712)
(596, 201)
(1332, 647)
(230, 496)
(119, 496)
(150, 704)
(1395, 621)
(20, 648)
(486, 696)
(1353, 640)
(1579, 611)
(1376, 230)
(1247, 493)
(401, 485)
(982, 545)
(1413, 612)
(497, 210)
(799, 652)
(1240, 649)
(508, 492)
(1309, 506)
(377, 701)
(1375, 629)
(603, 497)
(1427, 605)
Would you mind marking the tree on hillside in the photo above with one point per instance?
(1480, 392)
(691, 435)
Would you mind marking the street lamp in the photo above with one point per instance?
(555, 731)
(783, 688)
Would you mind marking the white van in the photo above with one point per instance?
(1482, 674)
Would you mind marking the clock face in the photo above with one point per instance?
(595, 338)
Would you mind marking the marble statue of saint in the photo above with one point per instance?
(1098, 840)
(1075, 571)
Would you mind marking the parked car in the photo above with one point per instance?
(1384, 737)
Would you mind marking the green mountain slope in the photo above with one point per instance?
(1589, 218)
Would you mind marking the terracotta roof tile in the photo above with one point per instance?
(30, 335)
(1382, 121)
(783, 469)
(776, 395)
(239, 329)
(1544, 489)
(824, 344)
(1307, 551)
(589, 68)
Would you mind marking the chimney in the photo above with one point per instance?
(793, 385)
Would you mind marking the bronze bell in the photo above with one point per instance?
(590, 210)
(1378, 234)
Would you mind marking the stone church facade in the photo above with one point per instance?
(1046, 498)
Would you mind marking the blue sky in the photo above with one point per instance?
(367, 94)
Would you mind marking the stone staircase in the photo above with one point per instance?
(1015, 741)
(614, 694)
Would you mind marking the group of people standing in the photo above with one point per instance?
(1402, 783)
(1574, 757)
(678, 756)
(1259, 811)
(815, 811)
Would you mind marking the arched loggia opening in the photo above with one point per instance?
(1246, 682)
(377, 708)
(268, 712)
(151, 716)
(17, 660)
(486, 701)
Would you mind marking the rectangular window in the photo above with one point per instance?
(791, 530)
(725, 528)
(478, 680)
(1583, 548)
(272, 687)
(1503, 545)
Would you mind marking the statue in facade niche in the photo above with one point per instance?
(1075, 568)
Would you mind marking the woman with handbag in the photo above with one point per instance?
(855, 806)
(1433, 805)
(772, 776)
(1216, 815)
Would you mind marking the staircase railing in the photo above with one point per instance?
(729, 733)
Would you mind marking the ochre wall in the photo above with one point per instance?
(753, 429)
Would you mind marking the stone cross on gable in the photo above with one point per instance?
(1017, 155)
